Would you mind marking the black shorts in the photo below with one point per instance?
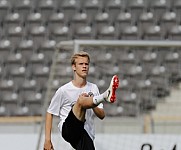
(73, 132)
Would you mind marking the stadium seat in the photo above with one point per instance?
(12, 19)
(101, 19)
(84, 32)
(92, 7)
(46, 8)
(26, 48)
(38, 33)
(123, 19)
(113, 7)
(5, 7)
(172, 63)
(61, 33)
(29, 83)
(159, 7)
(177, 7)
(174, 33)
(136, 7)
(69, 8)
(5, 48)
(146, 19)
(57, 18)
(106, 32)
(3, 111)
(79, 19)
(47, 47)
(153, 32)
(6, 84)
(23, 7)
(34, 18)
(130, 32)
(10, 98)
(168, 20)
(32, 97)
(15, 34)
(21, 111)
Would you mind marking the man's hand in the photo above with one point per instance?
(48, 145)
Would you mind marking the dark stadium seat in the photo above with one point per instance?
(6, 84)
(21, 111)
(172, 63)
(113, 7)
(26, 48)
(32, 97)
(29, 84)
(34, 18)
(106, 32)
(159, 7)
(30, 30)
(84, 32)
(12, 19)
(23, 7)
(47, 47)
(3, 110)
(61, 33)
(130, 32)
(69, 8)
(123, 19)
(15, 34)
(46, 7)
(92, 8)
(101, 19)
(136, 7)
(57, 18)
(177, 7)
(10, 99)
(5, 7)
(174, 33)
(38, 33)
(5, 48)
(79, 19)
(168, 20)
(145, 19)
(153, 32)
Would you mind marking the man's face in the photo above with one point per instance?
(81, 66)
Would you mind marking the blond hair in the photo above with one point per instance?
(79, 54)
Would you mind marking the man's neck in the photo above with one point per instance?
(79, 82)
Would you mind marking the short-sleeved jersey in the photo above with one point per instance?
(65, 97)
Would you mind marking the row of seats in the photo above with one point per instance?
(30, 29)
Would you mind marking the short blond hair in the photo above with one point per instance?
(79, 54)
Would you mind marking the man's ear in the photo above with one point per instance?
(73, 67)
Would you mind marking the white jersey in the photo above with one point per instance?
(65, 97)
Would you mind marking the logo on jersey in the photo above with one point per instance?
(90, 94)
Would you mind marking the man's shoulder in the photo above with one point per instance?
(64, 86)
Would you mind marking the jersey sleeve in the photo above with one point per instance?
(56, 103)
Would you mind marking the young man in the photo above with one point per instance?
(76, 103)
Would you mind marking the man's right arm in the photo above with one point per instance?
(48, 128)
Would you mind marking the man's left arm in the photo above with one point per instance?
(99, 112)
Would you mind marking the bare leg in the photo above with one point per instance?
(83, 103)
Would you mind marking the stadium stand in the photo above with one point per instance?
(29, 31)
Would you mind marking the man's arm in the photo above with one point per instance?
(48, 128)
(99, 112)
